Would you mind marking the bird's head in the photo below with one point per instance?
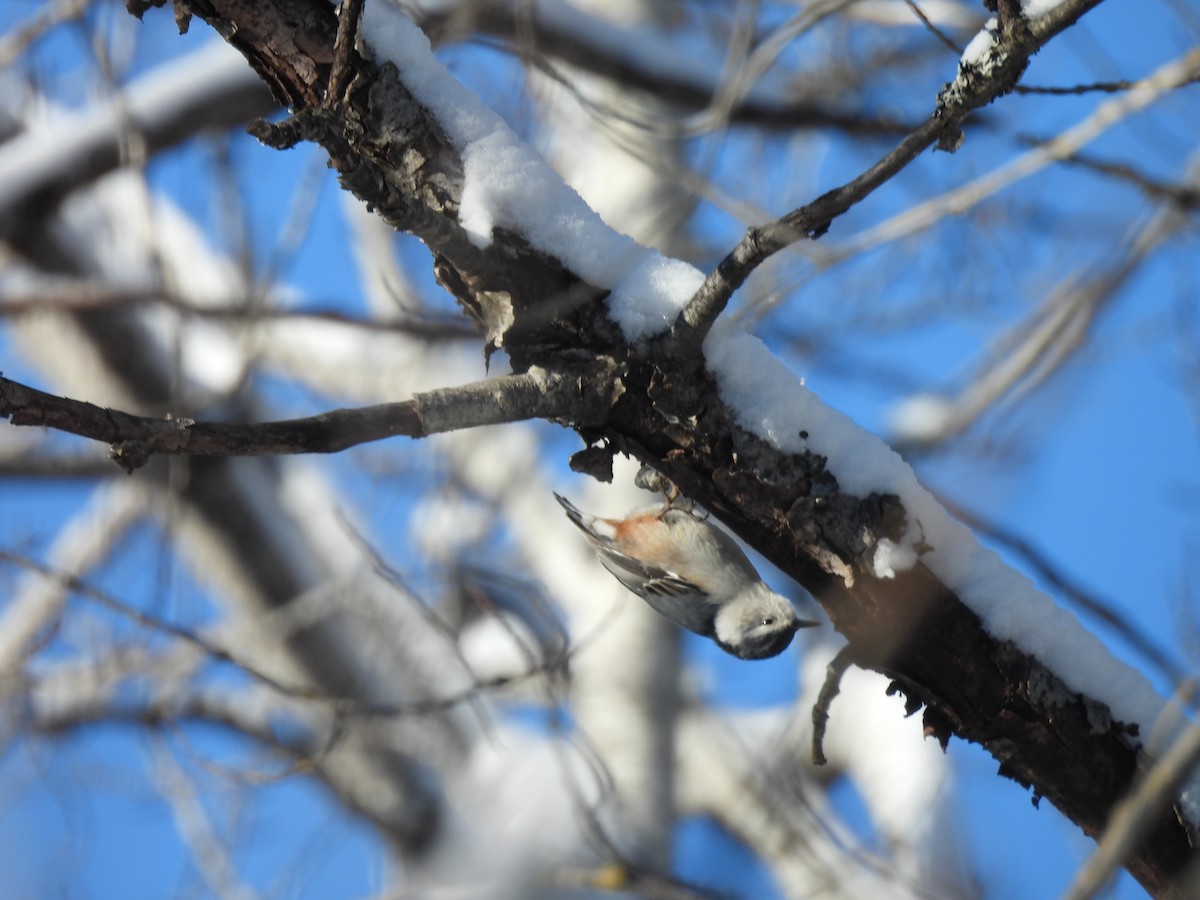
(757, 624)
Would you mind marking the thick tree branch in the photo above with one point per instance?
(535, 394)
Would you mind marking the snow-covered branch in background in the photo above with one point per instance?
(645, 56)
(211, 88)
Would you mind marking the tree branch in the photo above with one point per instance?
(535, 394)
(207, 89)
(633, 58)
(809, 221)
(978, 84)
(1135, 816)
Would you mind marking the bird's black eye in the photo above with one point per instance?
(768, 621)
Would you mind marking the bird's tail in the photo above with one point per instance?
(574, 513)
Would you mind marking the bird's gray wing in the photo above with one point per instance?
(642, 577)
(681, 601)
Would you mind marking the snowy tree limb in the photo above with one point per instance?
(207, 90)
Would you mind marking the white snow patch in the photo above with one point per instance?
(651, 294)
(920, 418)
(985, 39)
(772, 402)
(505, 182)
(1034, 9)
(508, 185)
(981, 43)
(891, 558)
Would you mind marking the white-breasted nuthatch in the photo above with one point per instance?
(694, 574)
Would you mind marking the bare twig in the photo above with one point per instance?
(85, 295)
(810, 221)
(977, 85)
(955, 202)
(1182, 194)
(76, 585)
(291, 690)
(343, 51)
(820, 715)
(933, 29)
(134, 439)
(33, 611)
(1039, 347)
(1095, 87)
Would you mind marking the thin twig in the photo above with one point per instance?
(78, 586)
(932, 28)
(977, 85)
(820, 715)
(810, 221)
(295, 691)
(1095, 87)
(134, 439)
(1183, 195)
(71, 295)
(965, 197)
(343, 52)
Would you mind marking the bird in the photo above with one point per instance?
(694, 574)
